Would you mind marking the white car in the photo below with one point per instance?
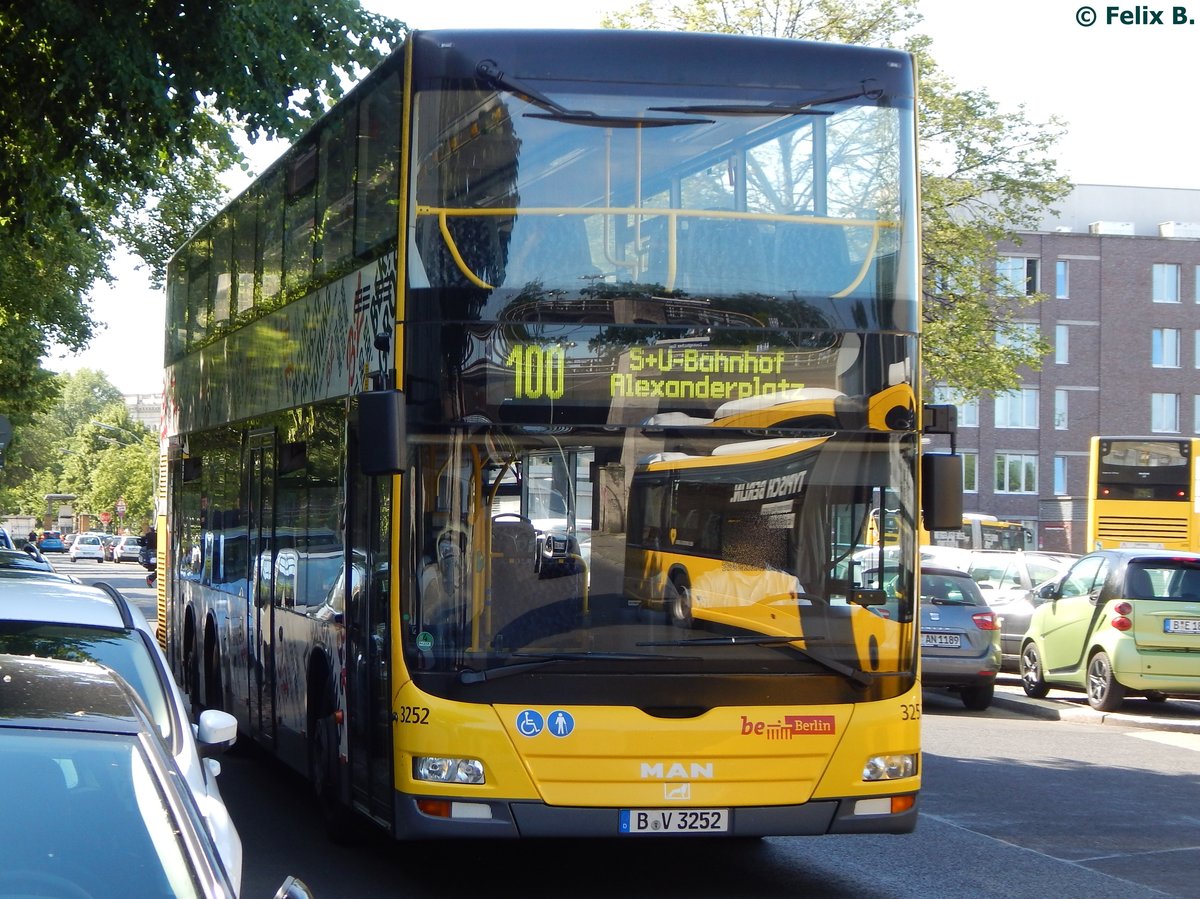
(75, 622)
(87, 546)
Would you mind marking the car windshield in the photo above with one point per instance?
(87, 803)
(957, 590)
(124, 651)
(22, 561)
(1165, 579)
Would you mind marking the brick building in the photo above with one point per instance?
(1120, 269)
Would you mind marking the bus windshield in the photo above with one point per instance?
(774, 191)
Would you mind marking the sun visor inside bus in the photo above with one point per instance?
(382, 435)
(941, 491)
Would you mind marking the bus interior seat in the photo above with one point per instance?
(720, 254)
(477, 239)
(552, 250)
(812, 258)
(1138, 584)
(513, 540)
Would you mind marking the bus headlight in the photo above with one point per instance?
(890, 767)
(448, 770)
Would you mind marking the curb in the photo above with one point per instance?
(1061, 710)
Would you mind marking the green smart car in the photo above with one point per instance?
(1117, 622)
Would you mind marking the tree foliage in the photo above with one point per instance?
(84, 444)
(986, 174)
(105, 107)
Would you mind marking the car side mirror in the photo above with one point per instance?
(216, 731)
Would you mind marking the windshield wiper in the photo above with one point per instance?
(541, 660)
(489, 71)
(805, 108)
(857, 675)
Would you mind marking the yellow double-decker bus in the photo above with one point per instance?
(415, 536)
(1142, 492)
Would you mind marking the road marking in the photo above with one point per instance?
(1183, 741)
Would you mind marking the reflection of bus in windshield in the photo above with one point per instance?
(758, 536)
(582, 362)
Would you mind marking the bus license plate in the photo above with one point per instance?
(952, 640)
(686, 820)
(1181, 626)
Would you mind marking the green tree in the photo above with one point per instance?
(986, 175)
(86, 445)
(106, 107)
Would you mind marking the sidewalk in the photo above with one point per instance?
(1177, 715)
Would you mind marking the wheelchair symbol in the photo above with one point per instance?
(530, 723)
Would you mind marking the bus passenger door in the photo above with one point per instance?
(368, 639)
(260, 588)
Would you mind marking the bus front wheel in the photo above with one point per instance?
(679, 603)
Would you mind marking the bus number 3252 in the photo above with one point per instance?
(538, 372)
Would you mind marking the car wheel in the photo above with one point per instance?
(978, 697)
(679, 603)
(1103, 691)
(1154, 696)
(1032, 681)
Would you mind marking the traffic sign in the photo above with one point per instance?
(106, 517)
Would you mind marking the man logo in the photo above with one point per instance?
(677, 771)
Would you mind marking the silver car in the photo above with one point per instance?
(1008, 580)
(960, 637)
(94, 803)
(56, 618)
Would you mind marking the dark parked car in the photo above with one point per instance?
(24, 563)
(95, 806)
(960, 637)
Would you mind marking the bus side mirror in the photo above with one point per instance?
(941, 491)
(382, 432)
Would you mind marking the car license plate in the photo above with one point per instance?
(951, 640)
(1181, 626)
(679, 820)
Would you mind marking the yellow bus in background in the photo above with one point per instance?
(1142, 492)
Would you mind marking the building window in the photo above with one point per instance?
(968, 410)
(1021, 334)
(1060, 410)
(1062, 279)
(970, 463)
(1196, 414)
(1016, 473)
(1018, 409)
(1164, 413)
(1062, 344)
(1016, 276)
(1060, 475)
(1164, 348)
(1165, 282)
(1196, 350)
